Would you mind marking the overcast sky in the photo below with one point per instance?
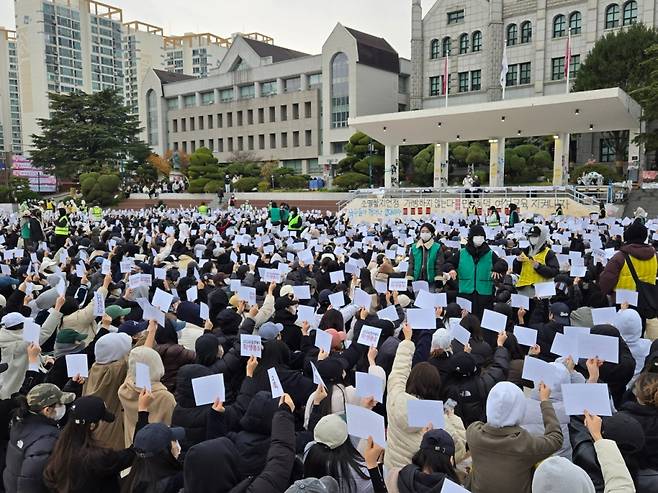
(298, 24)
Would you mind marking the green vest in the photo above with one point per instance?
(417, 252)
(295, 223)
(203, 210)
(62, 230)
(475, 277)
(97, 212)
(275, 214)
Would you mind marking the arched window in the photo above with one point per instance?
(340, 91)
(559, 26)
(575, 22)
(476, 45)
(511, 33)
(526, 32)
(434, 49)
(463, 44)
(630, 13)
(445, 46)
(612, 16)
(152, 118)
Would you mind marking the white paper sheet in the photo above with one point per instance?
(591, 396)
(565, 345)
(421, 318)
(99, 304)
(627, 296)
(544, 289)
(397, 284)
(142, 376)
(302, 292)
(363, 423)
(451, 487)
(369, 336)
(493, 321)
(317, 379)
(204, 311)
(422, 412)
(275, 383)
(604, 347)
(520, 301)
(537, 371)
(465, 304)
(602, 316)
(337, 300)
(323, 340)
(337, 276)
(388, 313)
(31, 332)
(458, 332)
(525, 336)
(362, 299)
(76, 364)
(207, 389)
(248, 294)
(192, 294)
(162, 299)
(368, 385)
(250, 345)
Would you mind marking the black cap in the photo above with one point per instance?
(534, 231)
(560, 313)
(156, 437)
(90, 409)
(439, 441)
(636, 233)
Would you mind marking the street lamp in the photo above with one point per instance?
(371, 150)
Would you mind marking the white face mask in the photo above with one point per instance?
(59, 412)
(533, 240)
(425, 236)
(478, 241)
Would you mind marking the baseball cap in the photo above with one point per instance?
(12, 319)
(133, 327)
(331, 431)
(326, 484)
(439, 441)
(269, 331)
(560, 313)
(115, 311)
(90, 409)
(69, 336)
(286, 290)
(324, 296)
(156, 437)
(47, 394)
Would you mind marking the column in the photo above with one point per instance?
(391, 166)
(280, 86)
(441, 151)
(304, 166)
(634, 156)
(303, 82)
(257, 89)
(215, 95)
(497, 162)
(561, 160)
(197, 98)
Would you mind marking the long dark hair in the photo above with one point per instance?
(471, 323)
(332, 319)
(74, 447)
(342, 463)
(424, 381)
(147, 473)
(435, 462)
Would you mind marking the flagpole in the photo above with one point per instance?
(446, 77)
(504, 69)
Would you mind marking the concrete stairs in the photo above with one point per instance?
(646, 198)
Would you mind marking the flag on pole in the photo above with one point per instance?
(445, 78)
(567, 61)
(504, 69)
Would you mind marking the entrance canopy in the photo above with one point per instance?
(577, 112)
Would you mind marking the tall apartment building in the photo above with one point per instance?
(276, 103)
(65, 45)
(10, 111)
(195, 54)
(473, 33)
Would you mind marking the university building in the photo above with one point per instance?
(472, 34)
(275, 103)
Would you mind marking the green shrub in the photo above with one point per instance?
(213, 186)
(526, 150)
(350, 181)
(246, 184)
(542, 160)
(460, 152)
(196, 185)
(293, 182)
(263, 186)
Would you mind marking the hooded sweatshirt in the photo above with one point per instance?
(163, 404)
(629, 325)
(504, 454)
(557, 475)
(105, 377)
(187, 414)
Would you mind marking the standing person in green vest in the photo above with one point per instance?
(476, 267)
(294, 220)
(426, 257)
(275, 214)
(97, 212)
(61, 229)
(285, 213)
(203, 209)
(513, 215)
(493, 218)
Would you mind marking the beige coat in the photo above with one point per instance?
(616, 477)
(83, 320)
(104, 381)
(162, 407)
(403, 442)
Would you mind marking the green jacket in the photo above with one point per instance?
(430, 267)
(275, 214)
(475, 276)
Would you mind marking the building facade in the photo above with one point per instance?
(10, 111)
(277, 104)
(472, 35)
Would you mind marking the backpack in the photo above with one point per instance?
(647, 294)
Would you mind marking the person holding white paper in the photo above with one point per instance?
(405, 383)
(426, 257)
(174, 355)
(476, 268)
(504, 455)
(616, 375)
(163, 401)
(629, 324)
(537, 263)
(83, 319)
